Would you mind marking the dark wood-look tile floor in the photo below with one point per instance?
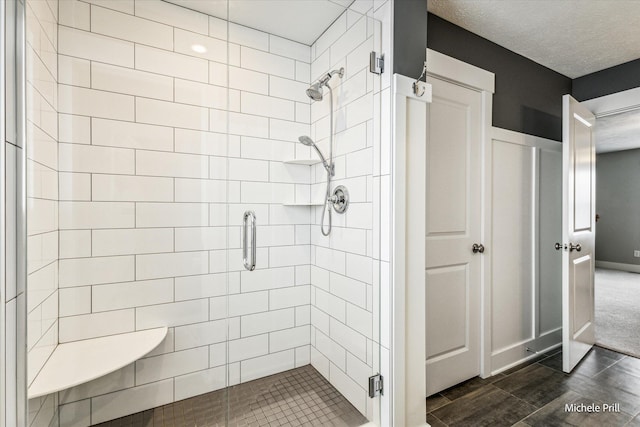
(535, 394)
(299, 397)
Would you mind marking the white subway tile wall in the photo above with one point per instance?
(147, 162)
(161, 151)
(42, 198)
(344, 296)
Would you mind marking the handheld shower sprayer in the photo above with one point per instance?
(305, 140)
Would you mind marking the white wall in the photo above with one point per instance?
(42, 196)
(526, 222)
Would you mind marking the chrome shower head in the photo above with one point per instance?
(315, 90)
(305, 140)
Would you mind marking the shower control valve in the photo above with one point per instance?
(339, 199)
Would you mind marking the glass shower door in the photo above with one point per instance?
(308, 318)
(182, 195)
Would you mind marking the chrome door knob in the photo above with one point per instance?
(477, 248)
(571, 247)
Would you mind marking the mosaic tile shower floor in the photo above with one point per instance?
(299, 397)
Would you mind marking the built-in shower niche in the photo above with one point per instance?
(172, 123)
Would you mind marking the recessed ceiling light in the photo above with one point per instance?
(198, 48)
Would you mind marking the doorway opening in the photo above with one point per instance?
(617, 282)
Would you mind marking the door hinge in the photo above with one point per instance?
(376, 63)
(376, 386)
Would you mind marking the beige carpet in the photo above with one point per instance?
(618, 311)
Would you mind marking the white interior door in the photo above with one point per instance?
(453, 221)
(578, 232)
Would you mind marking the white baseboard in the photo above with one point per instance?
(634, 268)
(509, 357)
(525, 359)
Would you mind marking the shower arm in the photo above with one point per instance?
(330, 74)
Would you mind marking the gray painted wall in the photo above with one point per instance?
(528, 96)
(409, 36)
(605, 82)
(618, 204)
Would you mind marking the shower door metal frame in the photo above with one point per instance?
(21, 211)
(15, 12)
(3, 220)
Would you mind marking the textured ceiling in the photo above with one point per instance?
(618, 132)
(299, 20)
(572, 37)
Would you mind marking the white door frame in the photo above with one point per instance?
(408, 387)
(408, 333)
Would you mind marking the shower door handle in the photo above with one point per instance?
(249, 216)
